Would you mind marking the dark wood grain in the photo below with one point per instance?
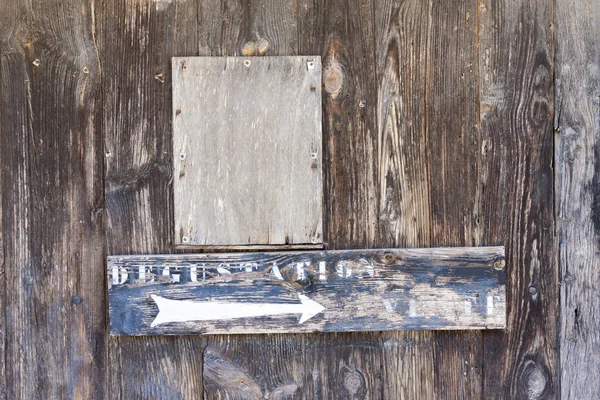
(354, 290)
(577, 180)
(454, 152)
(6, 27)
(344, 366)
(51, 163)
(517, 203)
(137, 40)
(239, 367)
(342, 32)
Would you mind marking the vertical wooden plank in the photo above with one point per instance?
(251, 366)
(453, 150)
(6, 26)
(342, 33)
(516, 105)
(577, 177)
(52, 202)
(404, 204)
(345, 366)
(138, 39)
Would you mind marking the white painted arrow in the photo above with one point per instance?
(185, 310)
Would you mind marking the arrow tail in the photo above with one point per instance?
(186, 311)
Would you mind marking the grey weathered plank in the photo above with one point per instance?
(516, 105)
(577, 173)
(248, 151)
(51, 182)
(137, 39)
(335, 291)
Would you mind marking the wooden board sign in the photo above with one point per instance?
(247, 152)
(317, 291)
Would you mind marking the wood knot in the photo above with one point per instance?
(258, 48)
(534, 382)
(333, 79)
(390, 258)
(352, 381)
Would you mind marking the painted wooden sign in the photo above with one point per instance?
(318, 291)
(247, 152)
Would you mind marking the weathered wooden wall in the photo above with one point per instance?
(438, 130)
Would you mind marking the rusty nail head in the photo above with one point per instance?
(499, 265)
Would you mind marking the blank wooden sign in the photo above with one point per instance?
(319, 291)
(247, 152)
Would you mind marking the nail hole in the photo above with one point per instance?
(185, 239)
(247, 63)
(182, 156)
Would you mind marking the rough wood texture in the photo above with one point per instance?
(51, 163)
(339, 291)
(343, 33)
(577, 155)
(515, 69)
(404, 203)
(248, 151)
(239, 367)
(137, 40)
(453, 150)
(378, 129)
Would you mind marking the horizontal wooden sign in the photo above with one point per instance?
(309, 291)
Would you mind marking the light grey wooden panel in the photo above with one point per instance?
(317, 291)
(577, 194)
(247, 151)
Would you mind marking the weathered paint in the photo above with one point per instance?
(360, 290)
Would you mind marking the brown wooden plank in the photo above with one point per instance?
(577, 177)
(243, 368)
(248, 151)
(51, 159)
(233, 28)
(356, 372)
(343, 33)
(404, 203)
(517, 204)
(333, 291)
(6, 26)
(137, 40)
(453, 151)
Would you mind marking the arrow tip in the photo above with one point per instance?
(310, 308)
